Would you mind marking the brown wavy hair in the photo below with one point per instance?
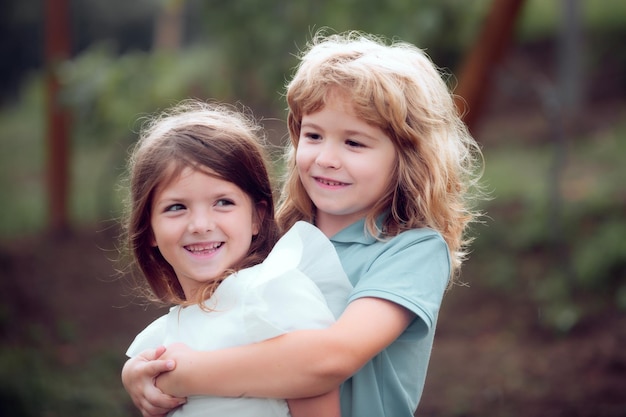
(199, 135)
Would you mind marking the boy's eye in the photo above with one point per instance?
(353, 144)
(312, 136)
(175, 207)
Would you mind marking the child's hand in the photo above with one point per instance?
(173, 382)
(139, 375)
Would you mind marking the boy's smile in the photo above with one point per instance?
(345, 164)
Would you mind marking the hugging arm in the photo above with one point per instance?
(154, 403)
(326, 405)
(296, 365)
(299, 364)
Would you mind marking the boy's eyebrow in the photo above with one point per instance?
(309, 124)
(359, 132)
(348, 132)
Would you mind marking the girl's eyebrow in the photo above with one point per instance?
(168, 200)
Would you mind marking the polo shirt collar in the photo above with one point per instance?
(356, 233)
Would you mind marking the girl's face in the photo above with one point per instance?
(202, 225)
(344, 163)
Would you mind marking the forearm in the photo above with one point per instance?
(327, 405)
(299, 364)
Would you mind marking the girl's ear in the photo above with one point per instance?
(258, 216)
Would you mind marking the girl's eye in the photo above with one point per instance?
(175, 207)
(224, 202)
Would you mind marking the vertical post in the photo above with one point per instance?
(477, 69)
(168, 32)
(57, 48)
(570, 71)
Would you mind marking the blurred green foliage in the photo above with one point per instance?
(35, 383)
(569, 259)
(234, 51)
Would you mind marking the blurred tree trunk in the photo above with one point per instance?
(57, 49)
(168, 30)
(571, 89)
(479, 64)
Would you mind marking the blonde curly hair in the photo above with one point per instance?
(395, 87)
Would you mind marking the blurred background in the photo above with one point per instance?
(539, 328)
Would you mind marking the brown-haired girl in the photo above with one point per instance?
(202, 232)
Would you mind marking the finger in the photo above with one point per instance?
(156, 402)
(153, 412)
(147, 413)
(158, 352)
(156, 367)
(150, 354)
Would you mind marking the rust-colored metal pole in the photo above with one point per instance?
(477, 69)
(57, 48)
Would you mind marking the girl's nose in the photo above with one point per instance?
(201, 223)
(328, 156)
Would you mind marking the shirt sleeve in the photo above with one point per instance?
(411, 270)
(149, 338)
(301, 286)
(284, 304)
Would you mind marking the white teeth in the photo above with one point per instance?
(330, 182)
(203, 248)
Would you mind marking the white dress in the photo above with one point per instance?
(300, 285)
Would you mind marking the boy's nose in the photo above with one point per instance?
(328, 157)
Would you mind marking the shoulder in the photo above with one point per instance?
(414, 239)
(152, 336)
(411, 269)
(415, 261)
(367, 250)
(295, 251)
(410, 251)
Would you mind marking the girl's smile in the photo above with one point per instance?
(203, 249)
(202, 226)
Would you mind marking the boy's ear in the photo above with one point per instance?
(258, 216)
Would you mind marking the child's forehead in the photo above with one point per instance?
(333, 96)
(339, 98)
(346, 101)
(178, 169)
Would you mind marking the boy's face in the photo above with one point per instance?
(202, 226)
(345, 164)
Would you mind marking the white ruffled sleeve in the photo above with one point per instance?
(321, 264)
(149, 338)
(301, 285)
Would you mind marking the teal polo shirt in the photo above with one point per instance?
(412, 269)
